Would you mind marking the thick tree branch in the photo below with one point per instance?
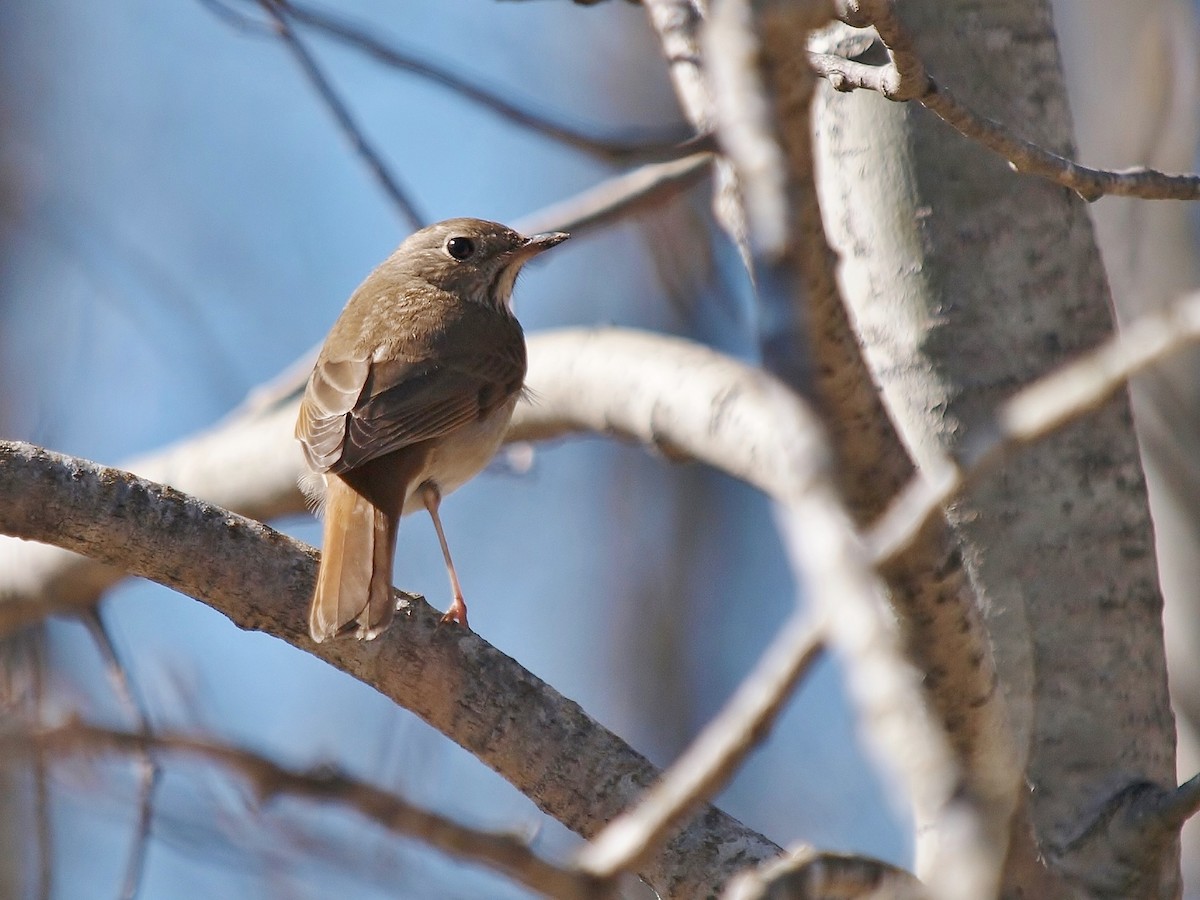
(541, 742)
(966, 282)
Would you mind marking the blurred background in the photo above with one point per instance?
(180, 219)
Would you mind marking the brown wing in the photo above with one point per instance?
(356, 410)
(333, 390)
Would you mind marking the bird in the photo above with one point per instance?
(409, 398)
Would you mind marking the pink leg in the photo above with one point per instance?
(457, 612)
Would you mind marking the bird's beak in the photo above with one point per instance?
(535, 244)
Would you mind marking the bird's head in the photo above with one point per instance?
(472, 258)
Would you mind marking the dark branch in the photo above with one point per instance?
(645, 147)
(341, 113)
(269, 780)
(147, 768)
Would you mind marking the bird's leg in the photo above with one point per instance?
(457, 612)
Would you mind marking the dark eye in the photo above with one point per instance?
(460, 247)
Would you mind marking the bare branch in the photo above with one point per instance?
(881, 14)
(542, 743)
(358, 140)
(644, 147)
(848, 75)
(44, 830)
(269, 780)
(665, 144)
(1031, 159)
(620, 196)
(236, 18)
(1172, 808)
(745, 121)
(713, 757)
(677, 23)
(905, 78)
(147, 768)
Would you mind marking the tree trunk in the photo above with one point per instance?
(966, 281)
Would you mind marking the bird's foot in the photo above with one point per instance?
(457, 613)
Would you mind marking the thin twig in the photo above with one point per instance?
(657, 146)
(41, 773)
(270, 780)
(1067, 394)
(341, 113)
(620, 196)
(669, 143)
(1173, 808)
(849, 75)
(910, 70)
(713, 756)
(148, 770)
(1029, 158)
(904, 78)
(236, 18)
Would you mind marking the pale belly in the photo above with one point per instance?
(459, 456)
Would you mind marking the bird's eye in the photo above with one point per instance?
(460, 247)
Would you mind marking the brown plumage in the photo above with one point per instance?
(409, 399)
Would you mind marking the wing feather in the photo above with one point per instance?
(333, 390)
(356, 410)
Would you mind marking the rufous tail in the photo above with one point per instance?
(354, 583)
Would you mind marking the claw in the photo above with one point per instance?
(457, 614)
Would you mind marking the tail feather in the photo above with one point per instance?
(354, 583)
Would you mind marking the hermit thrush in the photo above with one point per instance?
(409, 399)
